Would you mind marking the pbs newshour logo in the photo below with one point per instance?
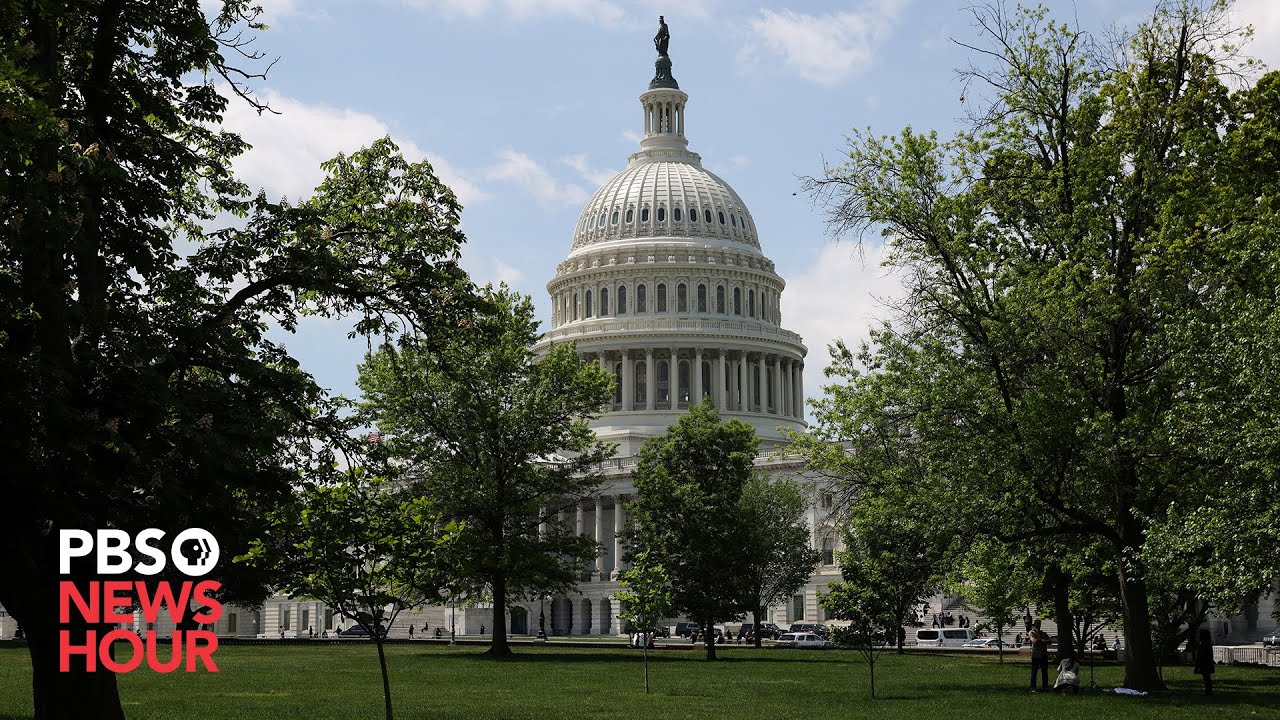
(194, 552)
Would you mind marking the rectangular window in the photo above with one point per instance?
(233, 623)
(797, 607)
(828, 500)
(284, 621)
(328, 618)
(828, 551)
(305, 619)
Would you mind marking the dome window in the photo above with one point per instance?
(600, 222)
(642, 300)
(631, 215)
(662, 297)
(588, 309)
(604, 302)
(662, 214)
(644, 215)
(614, 220)
(622, 299)
(733, 220)
(682, 298)
(737, 301)
(575, 306)
(751, 303)
(720, 299)
(721, 213)
(706, 215)
(675, 214)
(693, 215)
(702, 298)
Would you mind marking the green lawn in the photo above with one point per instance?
(324, 682)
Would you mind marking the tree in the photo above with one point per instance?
(689, 484)
(137, 384)
(360, 545)
(497, 439)
(1071, 352)
(777, 557)
(995, 583)
(858, 600)
(644, 601)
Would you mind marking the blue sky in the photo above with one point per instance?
(525, 106)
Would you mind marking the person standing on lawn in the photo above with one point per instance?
(1039, 641)
(1204, 660)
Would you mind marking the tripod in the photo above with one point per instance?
(1092, 685)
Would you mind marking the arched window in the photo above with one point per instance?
(693, 215)
(601, 222)
(720, 213)
(642, 379)
(702, 298)
(684, 381)
(751, 303)
(662, 297)
(706, 214)
(682, 298)
(664, 381)
(604, 301)
(631, 215)
(641, 299)
(737, 301)
(622, 299)
(720, 299)
(644, 215)
(588, 313)
(662, 214)
(614, 220)
(675, 214)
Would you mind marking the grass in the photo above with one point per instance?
(342, 681)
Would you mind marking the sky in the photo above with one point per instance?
(525, 107)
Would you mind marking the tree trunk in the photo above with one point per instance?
(1000, 642)
(709, 637)
(1140, 672)
(28, 592)
(382, 661)
(1062, 609)
(499, 646)
(645, 650)
(871, 663)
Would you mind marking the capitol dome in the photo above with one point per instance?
(666, 284)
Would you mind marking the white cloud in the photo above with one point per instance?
(1264, 16)
(631, 136)
(534, 180)
(821, 48)
(843, 295)
(578, 161)
(596, 11)
(288, 148)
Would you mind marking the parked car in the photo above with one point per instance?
(768, 631)
(944, 637)
(660, 631)
(1271, 639)
(801, 640)
(821, 630)
(686, 629)
(989, 643)
(358, 630)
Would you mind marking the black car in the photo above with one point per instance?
(661, 631)
(686, 629)
(768, 631)
(1271, 639)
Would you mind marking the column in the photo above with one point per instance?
(651, 380)
(764, 385)
(542, 524)
(721, 393)
(744, 385)
(788, 389)
(615, 622)
(581, 527)
(600, 535)
(628, 384)
(798, 396)
(697, 375)
(777, 386)
(673, 379)
(604, 364)
(618, 527)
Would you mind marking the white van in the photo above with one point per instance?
(944, 637)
